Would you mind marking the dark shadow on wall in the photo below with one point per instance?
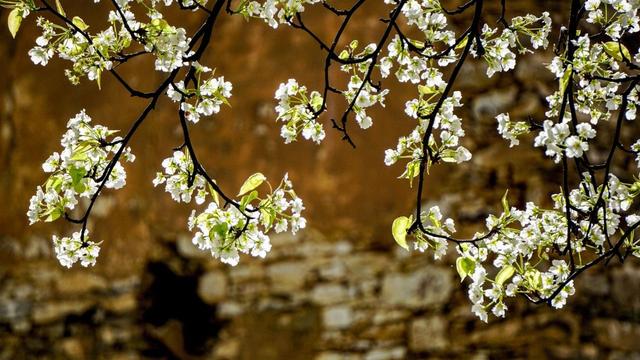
(178, 325)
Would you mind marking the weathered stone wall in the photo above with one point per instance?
(342, 289)
(312, 299)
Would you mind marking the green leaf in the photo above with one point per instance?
(465, 266)
(534, 278)
(462, 43)
(77, 174)
(54, 182)
(60, 9)
(14, 21)
(505, 203)
(434, 220)
(411, 171)
(247, 199)
(316, 101)
(354, 44)
(448, 156)
(399, 231)
(80, 152)
(617, 50)
(417, 43)
(424, 90)
(220, 229)
(505, 274)
(214, 194)
(53, 214)
(267, 217)
(80, 187)
(79, 23)
(251, 183)
(344, 55)
(564, 81)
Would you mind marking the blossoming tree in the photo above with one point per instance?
(533, 251)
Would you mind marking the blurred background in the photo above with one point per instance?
(341, 289)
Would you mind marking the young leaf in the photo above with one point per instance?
(465, 266)
(77, 21)
(448, 155)
(54, 214)
(505, 274)
(214, 194)
(247, 199)
(617, 50)
(534, 278)
(77, 174)
(505, 203)
(564, 81)
(14, 21)
(462, 43)
(251, 183)
(54, 182)
(425, 90)
(399, 231)
(60, 9)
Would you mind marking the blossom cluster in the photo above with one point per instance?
(431, 23)
(181, 180)
(236, 227)
(93, 53)
(558, 139)
(89, 55)
(78, 170)
(168, 43)
(70, 250)
(435, 234)
(519, 244)
(616, 17)
(274, 12)
(498, 49)
(203, 100)
(298, 110)
(510, 130)
(361, 92)
(449, 125)
(228, 231)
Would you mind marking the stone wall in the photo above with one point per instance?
(341, 289)
(312, 299)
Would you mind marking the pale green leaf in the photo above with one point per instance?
(462, 43)
(214, 194)
(399, 231)
(53, 215)
(247, 199)
(505, 203)
(505, 274)
(14, 21)
(251, 183)
(617, 50)
(564, 81)
(465, 266)
(60, 9)
(449, 156)
(78, 22)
